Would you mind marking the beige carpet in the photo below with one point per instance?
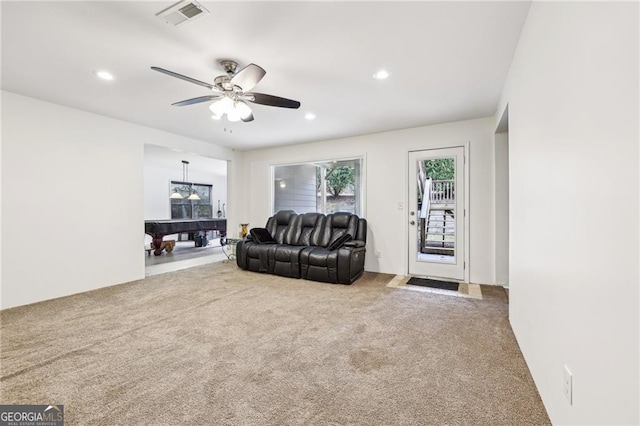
(213, 345)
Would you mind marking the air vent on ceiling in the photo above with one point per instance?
(183, 11)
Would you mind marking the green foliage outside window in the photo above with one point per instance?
(338, 179)
(440, 169)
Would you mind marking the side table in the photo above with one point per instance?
(230, 250)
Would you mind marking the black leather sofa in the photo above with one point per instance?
(310, 246)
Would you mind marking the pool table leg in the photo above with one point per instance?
(157, 244)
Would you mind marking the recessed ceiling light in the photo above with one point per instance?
(381, 75)
(105, 75)
(310, 116)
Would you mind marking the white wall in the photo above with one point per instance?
(386, 162)
(501, 162)
(572, 93)
(73, 204)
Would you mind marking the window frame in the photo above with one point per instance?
(363, 178)
(192, 203)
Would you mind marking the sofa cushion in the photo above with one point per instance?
(284, 260)
(286, 253)
(320, 257)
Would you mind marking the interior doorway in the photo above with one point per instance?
(164, 175)
(437, 213)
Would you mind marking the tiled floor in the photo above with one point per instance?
(184, 255)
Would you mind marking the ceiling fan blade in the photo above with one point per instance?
(196, 100)
(261, 98)
(248, 77)
(183, 77)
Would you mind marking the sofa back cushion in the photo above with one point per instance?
(278, 225)
(336, 225)
(314, 229)
(307, 229)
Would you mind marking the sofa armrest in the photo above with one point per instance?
(354, 243)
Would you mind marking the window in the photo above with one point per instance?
(191, 209)
(323, 187)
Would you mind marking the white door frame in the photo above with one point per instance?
(467, 211)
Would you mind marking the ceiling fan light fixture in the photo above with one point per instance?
(227, 104)
(233, 115)
(243, 110)
(217, 108)
(235, 110)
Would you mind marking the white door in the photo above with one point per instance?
(436, 213)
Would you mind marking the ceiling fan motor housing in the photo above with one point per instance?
(229, 66)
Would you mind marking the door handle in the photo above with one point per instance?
(413, 222)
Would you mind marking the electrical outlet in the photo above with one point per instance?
(568, 385)
(378, 255)
(400, 205)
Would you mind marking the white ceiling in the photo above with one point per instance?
(448, 62)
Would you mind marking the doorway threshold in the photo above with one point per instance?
(470, 291)
(163, 268)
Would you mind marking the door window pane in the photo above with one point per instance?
(437, 207)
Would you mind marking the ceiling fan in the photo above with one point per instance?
(232, 92)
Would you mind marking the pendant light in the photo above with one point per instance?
(187, 187)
